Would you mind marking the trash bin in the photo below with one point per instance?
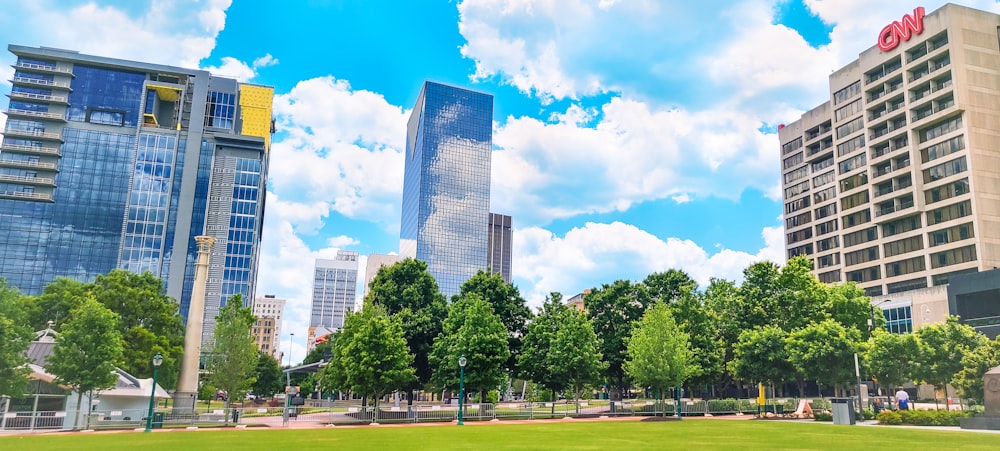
(843, 410)
(157, 420)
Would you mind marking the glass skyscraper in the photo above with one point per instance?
(107, 164)
(446, 184)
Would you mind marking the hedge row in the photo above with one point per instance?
(922, 417)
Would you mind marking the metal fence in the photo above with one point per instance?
(351, 412)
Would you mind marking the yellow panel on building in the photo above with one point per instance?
(255, 104)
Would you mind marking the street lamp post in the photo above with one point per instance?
(157, 361)
(291, 338)
(461, 388)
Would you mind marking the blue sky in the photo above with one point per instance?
(630, 136)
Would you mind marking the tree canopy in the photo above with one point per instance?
(658, 351)
(613, 310)
(824, 352)
(474, 331)
(507, 303)
(407, 290)
(87, 350)
(370, 356)
(232, 357)
(889, 357)
(15, 336)
(946, 344)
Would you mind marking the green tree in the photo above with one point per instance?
(408, 291)
(669, 286)
(373, 354)
(824, 352)
(708, 351)
(150, 322)
(57, 300)
(800, 299)
(15, 335)
(614, 309)
(269, 378)
(536, 362)
(561, 349)
(507, 303)
(975, 364)
(232, 357)
(86, 351)
(946, 344)
(848, 305)
(474, 331)
(658, 351)
(760, 356)
(575, 351)
(888, 357)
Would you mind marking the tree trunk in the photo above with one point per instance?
(79, 400)
(225, 407)
(802, 388)
(409, 398)
(553, 403)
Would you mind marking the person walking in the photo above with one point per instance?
(902, 399)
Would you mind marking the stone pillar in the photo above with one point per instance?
(186, 394)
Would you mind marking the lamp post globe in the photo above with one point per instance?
(157, 361)
(461, 389)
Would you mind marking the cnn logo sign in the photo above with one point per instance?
(901, 30)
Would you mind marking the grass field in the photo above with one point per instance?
(623, 435)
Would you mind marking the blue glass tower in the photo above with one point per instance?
(446, 184)
(108, 164)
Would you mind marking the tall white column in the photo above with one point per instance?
(186, 394)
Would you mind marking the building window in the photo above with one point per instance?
(826, 210)
(898, 320)
(798, 220)
(903, 246)
(854, 200)
(861, 256)
(844, 94)
(793, 160)
(827, 244)
(826, 227)
(946, 169)
(791, 146)
(943, 149)
(220, 109)
(951, 234)
(855, 219)
(950, 212)
(901, 225)
(850, 146)
(823, 179)
(830, 276)
(940, 129)
(944, 192)
(954, 256)
(864, 275)
(796, 174)
(854, 181)
(795, 190)
(910, 265)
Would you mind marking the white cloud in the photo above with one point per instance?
(234, 68)
(550, 170)
(338, 150)
(595, 254)
(173, 32)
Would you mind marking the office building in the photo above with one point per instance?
(499, 245)
(267, 330)
(446, 183)
(893, 183)
(107, 163)
(376, 261)
(335, 286)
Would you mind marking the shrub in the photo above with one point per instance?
(889, 417)
(868, 414)
(821, 404)
(723, 405)
(932, 417)
(822, 416)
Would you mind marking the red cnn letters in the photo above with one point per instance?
(901, 30)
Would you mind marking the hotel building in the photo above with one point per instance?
(107, 163)
(894, 183)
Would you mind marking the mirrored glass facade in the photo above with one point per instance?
(446, 185)
(108, 164)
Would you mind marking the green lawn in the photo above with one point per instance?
(622, 435)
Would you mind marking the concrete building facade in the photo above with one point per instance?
(335, 286)
(499, 244)
(107, 163)
(376, 261)
(894, 182)
(267, 330)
